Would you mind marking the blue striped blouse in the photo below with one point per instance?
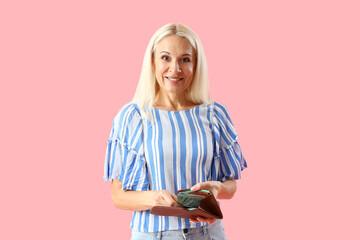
(173, 151)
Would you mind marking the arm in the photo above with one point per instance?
(139, 200)
(221, 190)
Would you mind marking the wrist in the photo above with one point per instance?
(219, 188)
(228, 189)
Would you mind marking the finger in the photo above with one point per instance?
(158, 200)
(174, 197)
(208, 220)
(194, 220)
(211, 221)
(196, 187)
(175, 203)
(169, 200)
(199, 186)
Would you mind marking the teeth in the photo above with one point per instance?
(174, 79)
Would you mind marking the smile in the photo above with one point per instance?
(174, 79)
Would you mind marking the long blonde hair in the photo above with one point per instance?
(198, 91)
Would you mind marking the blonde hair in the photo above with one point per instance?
(198, 91)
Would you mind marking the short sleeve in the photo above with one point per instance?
(124, 158)
(227, 152)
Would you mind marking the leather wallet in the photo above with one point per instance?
(207, 205)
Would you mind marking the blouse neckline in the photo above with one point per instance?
(161, 110)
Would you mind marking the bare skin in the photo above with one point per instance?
(140, 200)
(174, 63)
(221, 190)
(144, 200)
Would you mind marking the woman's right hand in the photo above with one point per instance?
(140, 200)
(165, 198)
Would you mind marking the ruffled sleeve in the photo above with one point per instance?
(228, 156)
(124, 158)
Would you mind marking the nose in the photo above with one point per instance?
(175, 67)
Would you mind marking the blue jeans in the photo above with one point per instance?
(213, 231)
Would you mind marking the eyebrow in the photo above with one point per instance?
(186, 54)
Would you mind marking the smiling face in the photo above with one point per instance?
(174, 63)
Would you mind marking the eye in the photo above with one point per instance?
(164, 57)
(185, 60)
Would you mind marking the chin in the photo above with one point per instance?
(175, 91)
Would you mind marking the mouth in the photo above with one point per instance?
(174, 79)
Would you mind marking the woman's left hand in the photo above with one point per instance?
(222, 190)
(214, 186)
(200, 219)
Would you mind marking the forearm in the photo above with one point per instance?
(221, 190)
(140, 200)
(132, 200)
(227, 189)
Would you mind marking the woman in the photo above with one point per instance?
(172, 137)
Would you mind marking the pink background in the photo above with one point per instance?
(288, 71)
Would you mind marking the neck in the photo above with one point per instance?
(172, 101)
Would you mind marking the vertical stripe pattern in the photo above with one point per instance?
(173, 151)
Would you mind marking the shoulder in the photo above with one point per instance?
(127, 113)
(220, 110)
(224, 127)
(126, 120)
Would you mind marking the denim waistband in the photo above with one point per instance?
(186, 233)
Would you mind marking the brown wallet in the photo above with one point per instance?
(208, 208)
